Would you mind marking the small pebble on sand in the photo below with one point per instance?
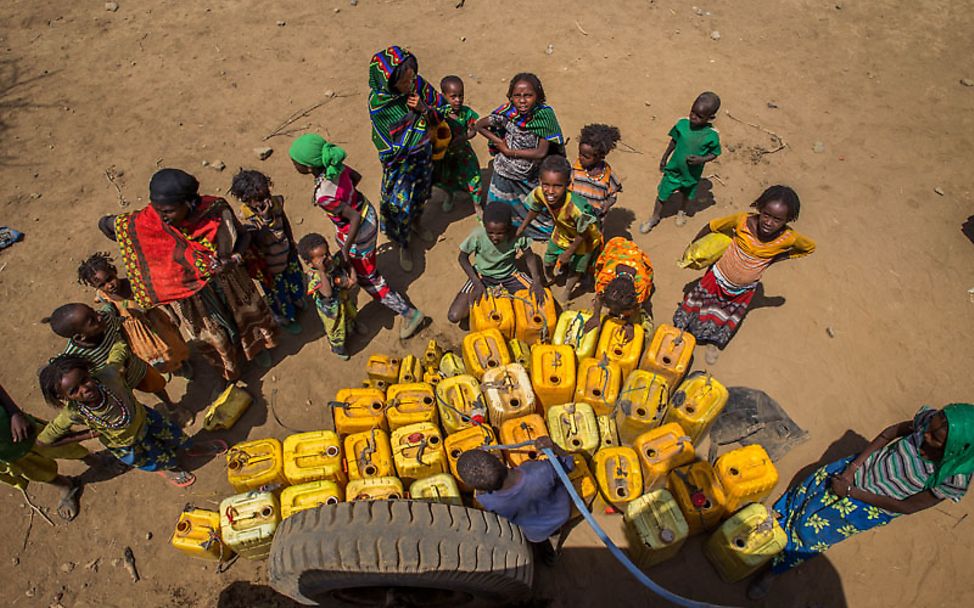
(111, 6)
(967, 82)
(219, 165)
(939, 190)
(281, 23)
(263, 152)
(818, 147)
(715, 35)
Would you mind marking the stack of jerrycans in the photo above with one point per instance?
(655, 527)
(313, 464)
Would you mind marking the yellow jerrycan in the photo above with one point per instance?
(655, 527)
(508, 393)
(614, 346)
(432, 378)
(255, 464)
(464, 441)
(660, 451)
(697, 491)
(669, 353)
(437, 488)
(451, 364)
(573, 427)
(411, 370)
(619, 476)
(309, 495)
(598, 383)
(583, 481)
(226, 409)
(379, 385)
(313, 456)
(608, 432)
(534, 322)
(746, 475)
(493, 311)
(484, 350)
(418, 451)
(460, 403)
(570, 330)
(704, 251)
(432, 356)
(197, 534)
(696, 404)
(525, 428)
(743, 544)
(355, 410)
(553, 374)
(248, 522)
(410, 404)
(642, 404)
(520, 353)
(369, 454)
(384, 368)
(374, 488)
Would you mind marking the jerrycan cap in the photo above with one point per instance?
(698, 499)
(477, 419)
(415, 437)
(667, 536)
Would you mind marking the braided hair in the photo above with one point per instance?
(100, 261)
(53, 373)
(602, 138)
(620, 294)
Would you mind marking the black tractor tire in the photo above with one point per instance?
(400, 554)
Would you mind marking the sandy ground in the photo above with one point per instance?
(166, 83)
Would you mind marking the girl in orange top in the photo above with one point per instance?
(714, 308)
(623, 284)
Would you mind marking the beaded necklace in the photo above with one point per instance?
(106, 396)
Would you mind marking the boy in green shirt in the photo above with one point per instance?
(458, 170)
(693, 143)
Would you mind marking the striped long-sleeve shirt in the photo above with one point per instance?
(113, 350)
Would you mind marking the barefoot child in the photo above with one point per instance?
(693, 143)
(459, 169)
(623, 284)
(329, 285)
(592, 177)
(495, 249)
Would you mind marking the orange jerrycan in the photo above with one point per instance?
(746, 475)
(410, 404)
(418, 451)
(655, 527)
(520, 353)
(508, 393)
(255, 464)
(534, 322)
(437, 488)
(697, 491)
(309, 495)
(745, 542)
(374, 488)
(614, 346)
(484, 350)
(248, 522)
(493, 311)
(460, 403)
(570, 330)
(553, 373)
(696, 404)
(573, 427)
(642, 404)
(411, 370)
(660, 451)
(197, 534)
(608, 432)
(312, 456)
(525, 428)
(598, 383)
(669, 353)
(451, 365)
(226, 409)
(464, 441)
(384, 368)
(368, 454)
(619, 476)
(359, 409)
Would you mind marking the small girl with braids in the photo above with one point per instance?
(623, 284)
(592, 177)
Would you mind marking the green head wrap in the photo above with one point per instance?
(312, 150)
(959, 450)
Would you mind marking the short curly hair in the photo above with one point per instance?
(556, 163)
(602, 138)
(310, 241)
(620, 294)
(786, 195)
(481, 470)
(249, 185)
(100, 261)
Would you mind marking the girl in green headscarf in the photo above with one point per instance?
(909, 467)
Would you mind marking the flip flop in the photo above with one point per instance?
(69, 501)
(184, 479)
(213, 447)
(647, 226)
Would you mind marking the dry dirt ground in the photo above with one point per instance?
(167, 83)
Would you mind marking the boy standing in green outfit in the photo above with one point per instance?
(458, 170)
(693, 143)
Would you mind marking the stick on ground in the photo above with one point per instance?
(777, 138)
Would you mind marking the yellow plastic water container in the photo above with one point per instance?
(493, 311)
(226, 409)
(614, 346)
(418, 451)
(432, 378)
(697, 491)
(508, 393)
(520, 353)
(704, 251)
(309, 495)
(608, 432)
(745, 543)
(463, 441)
(451, 365)
(533, 322)
(655, 527)
(525, 428)
(553, 373)
(383, 367)
(432, 356)
(696, 404)
(660, 451)
(597, 383)
(379, 385)
(459, 401)
(484, 350)
(583, 481)
(411, 370)
(359, 409)
(570, 330)
(374, 488)
(410, 404)
(642, 404)
(746, 475)
(313, 456)
(197, 534)
(254, 464)
(248, 522)
(437, 488)
(573, 427)
(619, 476)
(669, 353)
(369, 454)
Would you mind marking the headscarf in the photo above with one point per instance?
(958, 458)
(169, 186)
(540, 120)
(312, 150)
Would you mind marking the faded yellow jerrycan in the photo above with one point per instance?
(746, 475)
(255, 464)
(508, 393)
(583, 481)
(464, 441)
(655, 527)
(359, 409)
(226, 409)
(432, 378)
(410, 404)
(534, 322)
(697, 491)
(484, 350)
(437, 488)
(696, 404)
(660, 451)
(597, 383)
(520, 353)
(379, 385)
(248, 522)
(313, 456)
(669, 353)
(743, 544)
(574, 428)
(451, 365)
(493, 311)
(384, 368)
(309, 495)
(410, 371)
(432, 356)
(608, 432)
(460, 403)
(374, 488)
(553, 374)
(570, 330)
(517, 430)
(614, 346)
(368, 454)
(197, 534)
(418, 451)
(619, 476)
(642, 404)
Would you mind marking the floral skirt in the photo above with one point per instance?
(406, 186)
(156, 450)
